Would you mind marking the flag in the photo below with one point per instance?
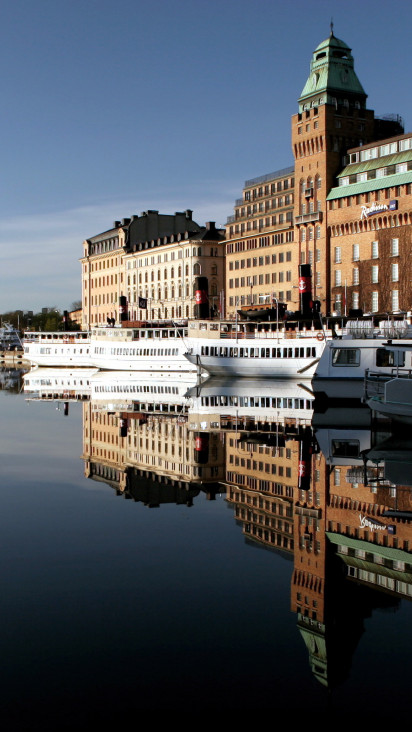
(142, 303)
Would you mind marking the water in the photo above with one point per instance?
(110, 606)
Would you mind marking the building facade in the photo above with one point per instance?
(370, 218)
(173, 275)
(152, 266)
(261, 263)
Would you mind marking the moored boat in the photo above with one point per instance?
(9, 338)
(362, 347)
(61, 348)
(256, 349)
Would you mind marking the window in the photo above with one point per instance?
(375, 273)
(338, 277)
(338, 255)
(355, 276)
(345, 356)
(355, 252)
(395, 272)
(355, 300)
(395, 301)
(375, 302)
(395, 247)
(375, 250)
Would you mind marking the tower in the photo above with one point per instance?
(332, 117)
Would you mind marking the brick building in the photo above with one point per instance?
(369, 218)
(332, 126)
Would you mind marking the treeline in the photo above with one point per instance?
(52, 320)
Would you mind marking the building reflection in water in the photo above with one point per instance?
(320, 483)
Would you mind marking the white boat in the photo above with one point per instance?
(159, 348)
(67, 349)
(361, 348)
(248, 349)
(255, 349)
(149, 347)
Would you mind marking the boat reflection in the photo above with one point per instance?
(11, 378)
(320, 483)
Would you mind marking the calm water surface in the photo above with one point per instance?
(110, 606)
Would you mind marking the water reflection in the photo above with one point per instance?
(319, 482)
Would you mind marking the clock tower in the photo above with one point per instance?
(332, 118)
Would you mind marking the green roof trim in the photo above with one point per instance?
(355, 189)
(386, 552)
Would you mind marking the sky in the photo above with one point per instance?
(113, 107)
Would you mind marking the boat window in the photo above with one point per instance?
(345, 356)
(388, 358)
(345, 448)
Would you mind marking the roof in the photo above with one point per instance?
(354, 189)
(375, 163)
(366, 546)
(332, 70)
(270, 176)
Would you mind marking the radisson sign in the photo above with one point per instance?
(376, 208)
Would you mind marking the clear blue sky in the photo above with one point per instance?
(111, 107)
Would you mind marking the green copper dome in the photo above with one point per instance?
(332, 77)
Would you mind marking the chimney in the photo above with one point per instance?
(210, 226)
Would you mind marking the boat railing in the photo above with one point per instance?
(55, 337)
(263, 335)
(375, 381)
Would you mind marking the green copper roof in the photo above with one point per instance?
(383, 551)
(376, 184)
(332, 74)
(383, 162)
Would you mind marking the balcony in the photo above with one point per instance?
(309, 218)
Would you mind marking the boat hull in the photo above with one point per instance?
(283, 358)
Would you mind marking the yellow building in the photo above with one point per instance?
(261, 261)
(152, 266)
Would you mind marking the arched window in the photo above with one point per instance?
(196, 269)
